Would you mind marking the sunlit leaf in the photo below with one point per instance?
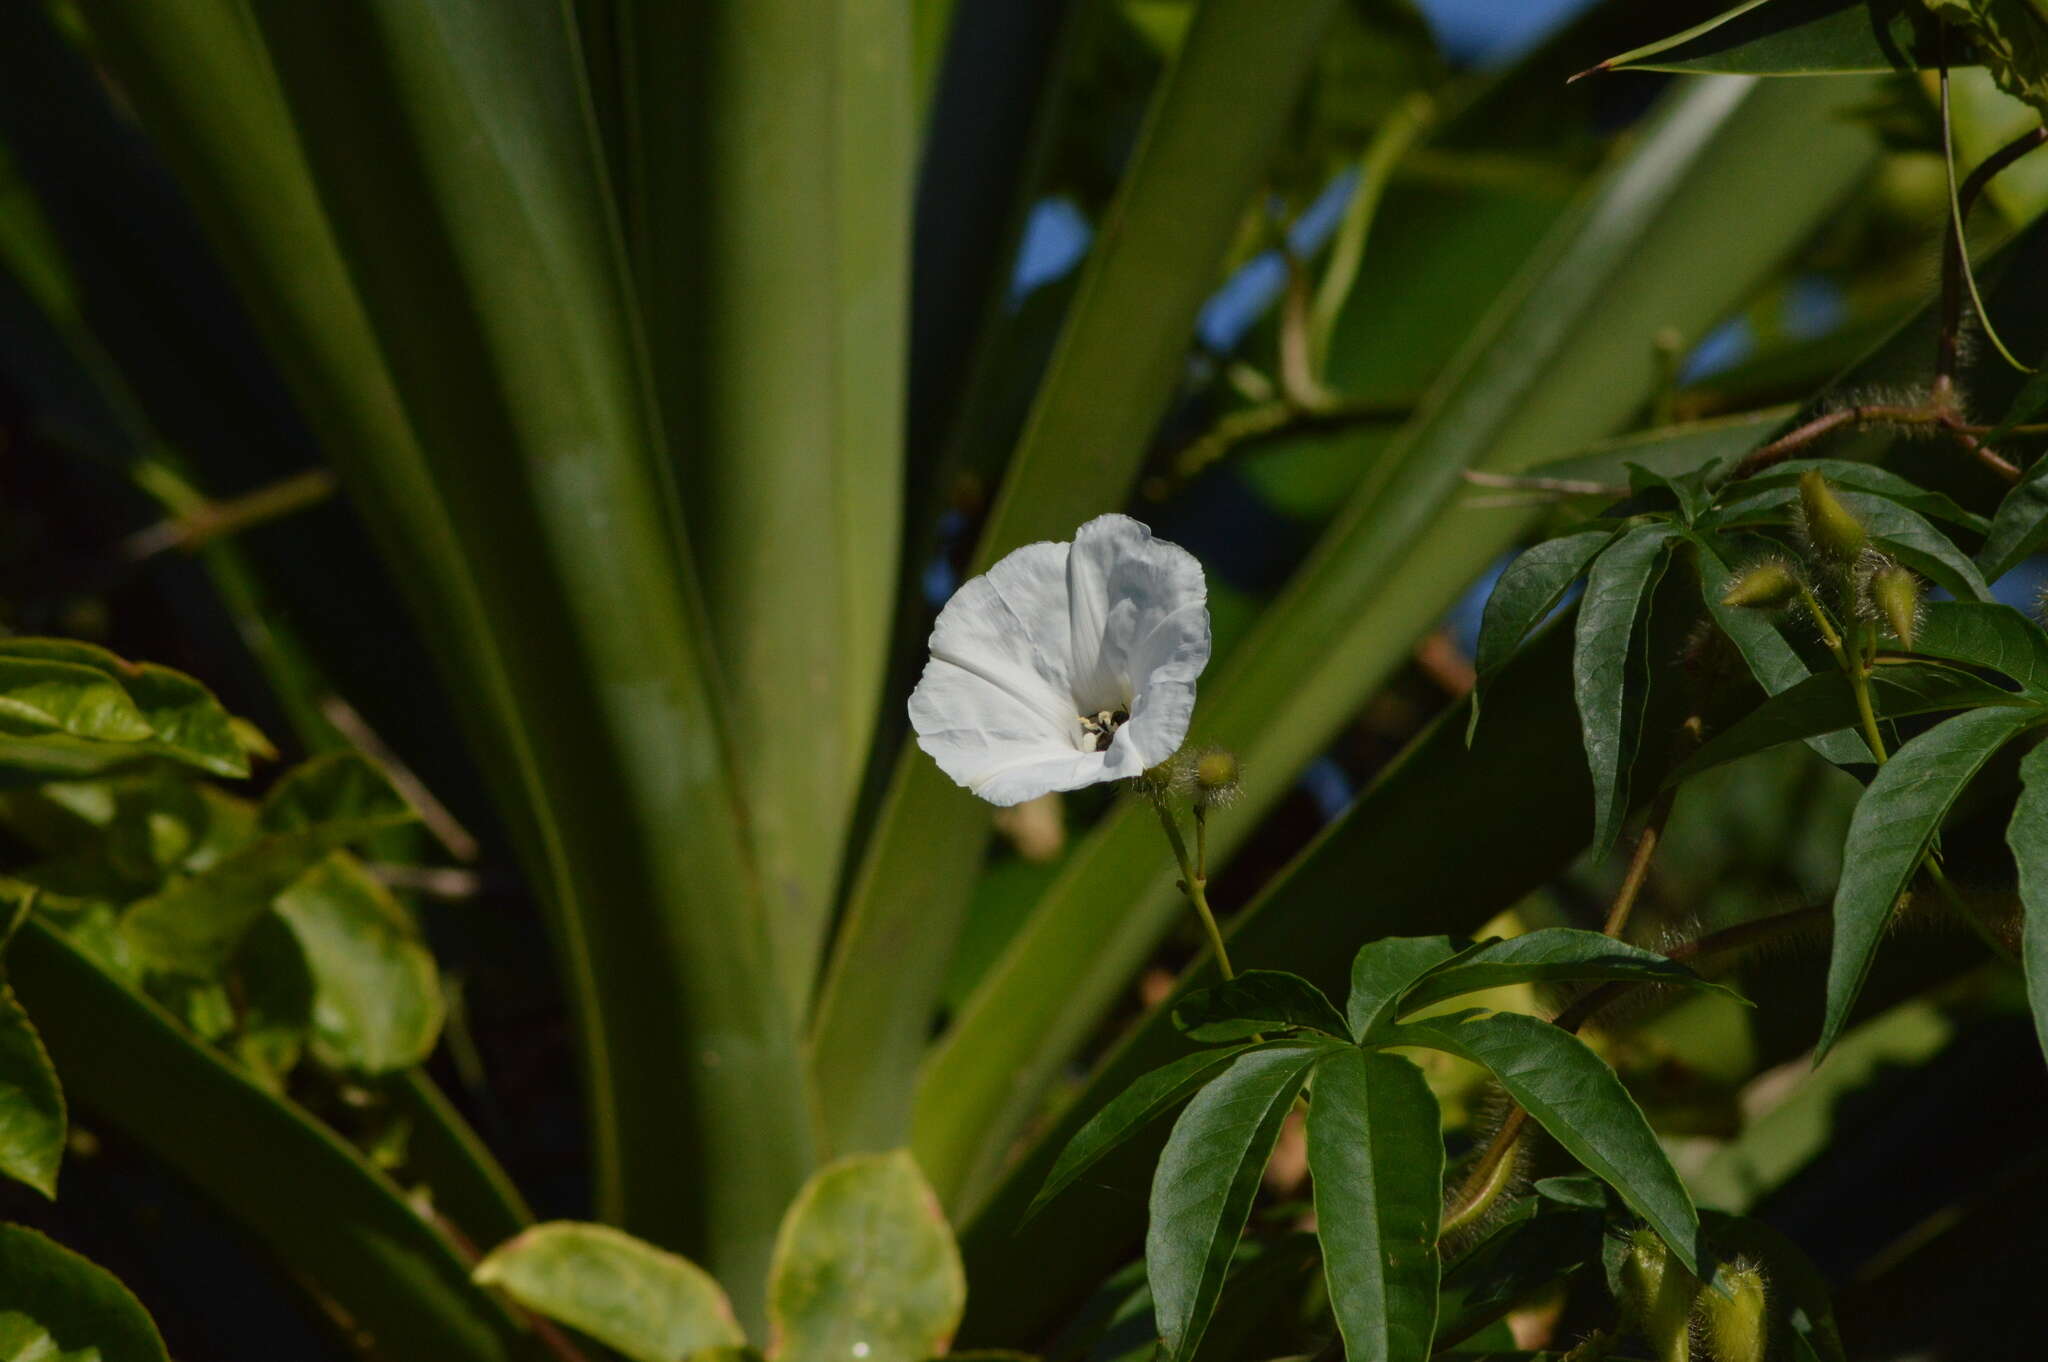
(377, 1000)
(627, 1294)
(185, 720)
(865, 1267)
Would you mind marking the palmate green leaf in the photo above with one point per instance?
(2027, 835)
(1147, 1098)
(1201, 158)
(1559, 362)
(1255, 1001)
(1548, 955)
(1826, 703)
(1799, 38)
(1687, 491)
(1894, 825)
(32, 1115)
(1207, 1176)
(2020, 525)
(1376, 1155)
(72, 1303)
(1774, 663)
(1574, 1095)
(1382, 972)
(1611, 636)
(307, 1196)
(377, 1002)
(194, 925)
(41, 696)
(627, 1294)
(185, 721)
(1848, 475)
(1528, 590)
(1994, 636)
(865, 1266)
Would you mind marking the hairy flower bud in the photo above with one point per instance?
(1659, 1296)
(1736, 1327)
(1830, 527)
(1896, 593)
(1763, 586)
(1217, 777)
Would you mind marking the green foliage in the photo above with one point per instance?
(376, 995)
(1799, 38)
(651, 1306)
(55, 1306)
(1613, 641)
(2010, 38)
(31, 1097)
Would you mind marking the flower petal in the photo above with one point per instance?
(1122, 585)
(984, 737)
(1166, 664)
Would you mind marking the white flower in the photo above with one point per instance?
(1066, 665)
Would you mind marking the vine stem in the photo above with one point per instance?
(1194, 886)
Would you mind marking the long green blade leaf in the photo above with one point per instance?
(1894, 825)
(1798, 38)
(2027, 835)
(1259, 1000)
(1377, 1158)
(1994, 636)
(1550, 955)
(1607, 675)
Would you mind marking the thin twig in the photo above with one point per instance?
(1577, 487)
(445, 827)
(209, 520)
(1279, 420)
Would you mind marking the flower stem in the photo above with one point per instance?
(1194, 885)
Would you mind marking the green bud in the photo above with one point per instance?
(1896, 593)
(1829, 525)
(1762, 586)
(1660, 1295)
(1737, 1329)
(1216, 772)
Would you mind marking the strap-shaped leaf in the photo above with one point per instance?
(80, 1306)
(1574, 1095)
(2019, 527)
(185, 721)
(1850, 476)
(1148, 1097)
(1894, 824)
(1549, 955)
(2027, 835)
(1203, 1188)
(1797, 37)
(1528, 590)
(1774, 663)
(1825, 702)
(1377, 1158)
(1610, 635)
(1994, 636)
(624, 1292)
(1256, 1001)
(1382, 971)
(865, 1267)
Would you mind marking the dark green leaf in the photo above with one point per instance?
(1528, 590)
(1895, 823)
(1851, 476)
(185, 720)
(24, 1340)
(2026, 405)
(1798, 37)
(1610, 637)
(625, 1293)
(1774, 663)
(336, 787)
(1255, 1001)
(31, 1101)
(1687, 491)
(1574, 1095)
(2027, 834)
(80, 1305)
(277, 1002)
(1376, 1155)
(1146, 1098)
(1899, 530)
(1203, 1188)
(1382, 971)
(1670, 450)
(865, 1266)
(1548, 955)
(1826, 703)
(377, 996)
(2020, 525)
(1994, 636)
(39, 696)
(1537, 1247)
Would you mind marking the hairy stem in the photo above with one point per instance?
(1194, 886)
